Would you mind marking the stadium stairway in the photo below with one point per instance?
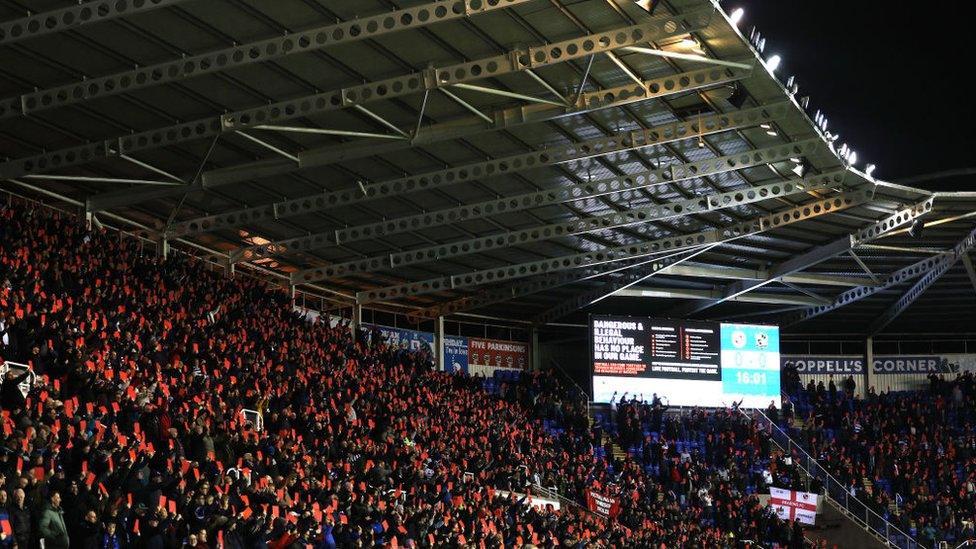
(836, 528)
(834, 525)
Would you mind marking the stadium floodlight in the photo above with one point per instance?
(869, 170)
(773, 63)
(736, 16)
(648, 5)
(852, 158)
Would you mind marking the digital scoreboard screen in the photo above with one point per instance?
(686, 363)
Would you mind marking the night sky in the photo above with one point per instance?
(889, 75)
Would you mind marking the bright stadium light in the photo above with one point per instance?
(869, 170)
(773, 63)
(852, 158)
(737, 15)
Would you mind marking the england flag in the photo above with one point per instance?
(790, 504)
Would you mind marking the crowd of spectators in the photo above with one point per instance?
(910, 456)
(140, 428)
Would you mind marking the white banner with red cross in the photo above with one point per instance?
(790, 504)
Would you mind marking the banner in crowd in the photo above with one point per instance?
(311, 315)
(845, 365)
(475, 355)
(18, 369)
(602, 505)
(793, 505)
(456, 354)
(532, 501)
(492, 353)
(405, 339)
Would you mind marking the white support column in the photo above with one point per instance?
(439, 341)
(162, 247)
(868, 366)
(357, 317)
(534, 351)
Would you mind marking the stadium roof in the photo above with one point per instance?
(519, 158)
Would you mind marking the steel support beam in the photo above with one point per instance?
(504, 119)
(923, 284)
(638, 219)
(970, 270)
(698, 270)
(509, 94)
(73, 17)
(863, 265)
(686, 57)
(508, 63)
(501, 120)
(799, 213)
(505, 293)
(715, 293)
(513, 61)
(854, 295)
(568, 193)
(616, 253)
(887, 225)
(814, 256)
(258, 51)
(114, 180)
(601, 146)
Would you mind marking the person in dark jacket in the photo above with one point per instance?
(51, 526)
(11, 399)
(20, 519)
(89, 534)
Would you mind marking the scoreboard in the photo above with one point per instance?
(686, 363)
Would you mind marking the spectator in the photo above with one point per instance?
(20, 520)
(913, 452)
(89, 535)
(7, 540)
(849, 386)
(145, 368)
(51, 524)
(11, 398)
(109, 539)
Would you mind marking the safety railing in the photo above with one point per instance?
(853, 507)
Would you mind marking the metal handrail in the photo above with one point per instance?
(582, 391)
(830, 482)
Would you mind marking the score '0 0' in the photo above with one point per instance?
(740, 360)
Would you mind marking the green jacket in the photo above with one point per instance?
(52, 529)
